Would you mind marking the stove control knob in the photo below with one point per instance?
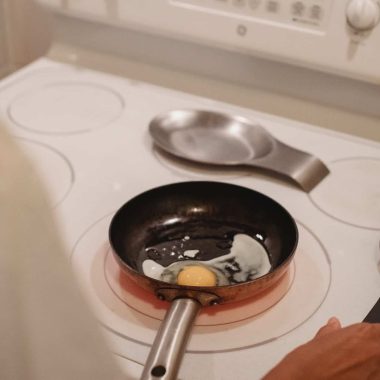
(363, 14)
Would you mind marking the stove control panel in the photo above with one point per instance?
(340, 37)
(312, 14)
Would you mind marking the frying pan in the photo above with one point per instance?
(202, 210)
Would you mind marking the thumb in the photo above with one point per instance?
(332, 324)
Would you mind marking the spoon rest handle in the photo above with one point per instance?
(302, 168)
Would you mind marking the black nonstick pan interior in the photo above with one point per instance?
(170, 211)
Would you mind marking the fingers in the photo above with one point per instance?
(332, 324)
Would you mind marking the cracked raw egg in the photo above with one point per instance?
(246, 261)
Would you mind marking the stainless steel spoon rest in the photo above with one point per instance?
(220, 139)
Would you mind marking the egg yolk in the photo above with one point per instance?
(196, 275)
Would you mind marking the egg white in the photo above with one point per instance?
(247, 260)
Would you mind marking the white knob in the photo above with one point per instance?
(363, 14)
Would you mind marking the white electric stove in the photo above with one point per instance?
(87, 133)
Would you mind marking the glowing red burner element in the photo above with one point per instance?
(148, 304)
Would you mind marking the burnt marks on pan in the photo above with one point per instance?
(232, 266)
(153, 254)
(224, 244)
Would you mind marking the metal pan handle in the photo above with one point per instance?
(169, 345)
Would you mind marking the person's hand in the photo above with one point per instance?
(335, 353)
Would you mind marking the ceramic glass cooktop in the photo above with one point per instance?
(87, 133)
